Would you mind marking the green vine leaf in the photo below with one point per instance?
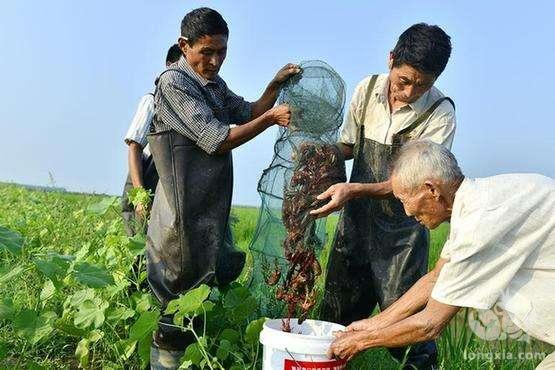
(137, 244)
(252, 332)
(47, 292)
(140, 195)
(119, 313)
(92, 275)
(90, 313)
(145, 325)
(103, 206)
(6, 309)
(11, 241)
(230, 335)
(190, 303)
(82, 352)
(240, 304)
(10, 274)
(224, 349)
(193, 354)
(125, 348)
(33, 326)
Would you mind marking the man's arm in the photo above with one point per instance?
(423, 326)
(410, 303)
(339, 194)
(262, 113)
(241, 134)
(269, 97)
(403, 323)
(136, 138)
(184, 109)
(135, 162)
(440, 128)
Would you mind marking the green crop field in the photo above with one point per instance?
(69, 297)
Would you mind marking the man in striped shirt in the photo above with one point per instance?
(142, 172)
(189, 239)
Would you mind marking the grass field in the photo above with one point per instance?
(67, 300)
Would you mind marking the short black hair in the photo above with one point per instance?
(424, 47)
(174, 53)
(203, 22)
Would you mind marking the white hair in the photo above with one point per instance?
(423, 160)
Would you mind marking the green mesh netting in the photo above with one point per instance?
(288, 241)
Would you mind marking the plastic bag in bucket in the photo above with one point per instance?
(305, 347)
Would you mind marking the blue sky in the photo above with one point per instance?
(73, 72)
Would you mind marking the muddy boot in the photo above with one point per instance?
(163, 359)
(169, 344)
(167, 349)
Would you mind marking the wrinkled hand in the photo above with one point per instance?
(347, 344)
(285, 72)
(339, 194)
(280, 115)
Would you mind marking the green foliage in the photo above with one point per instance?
(102, 207)
(69, 284)
(83, 347)
(140, 196)
(90, 313)
(141, 332)
(240, 304)
(68, 296)
(228, 337)
(136, 244)
(92, 276)
(55, 267)
(252, 332)
(6, 309)
(190, 303)
(10, 241)
(145, 325)
(71, 298)
(6, 276)
(34, 326)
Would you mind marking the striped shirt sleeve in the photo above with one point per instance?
(184, 109)
(140, 124)
(239, 109)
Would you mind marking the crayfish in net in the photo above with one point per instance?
(317, 167)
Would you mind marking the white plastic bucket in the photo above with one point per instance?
(304, 348)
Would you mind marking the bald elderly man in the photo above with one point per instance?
(501, 249)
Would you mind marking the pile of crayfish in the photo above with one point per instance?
(317, 167)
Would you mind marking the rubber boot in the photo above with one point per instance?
(162, 359)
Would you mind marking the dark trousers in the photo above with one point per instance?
(363, 275)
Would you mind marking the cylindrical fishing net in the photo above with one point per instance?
(288, 240)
